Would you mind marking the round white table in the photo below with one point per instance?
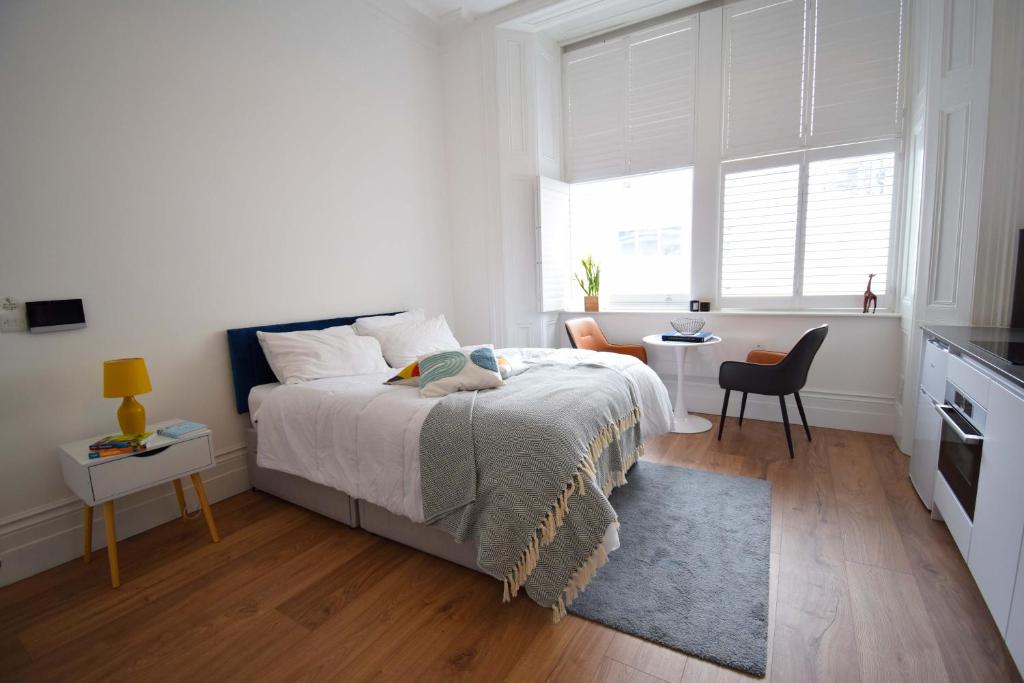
(683, 423)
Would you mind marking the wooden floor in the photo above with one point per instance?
(864, 586)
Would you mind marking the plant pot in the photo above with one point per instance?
(590, 304)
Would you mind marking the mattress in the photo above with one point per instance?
(360, 436)
(256, 396)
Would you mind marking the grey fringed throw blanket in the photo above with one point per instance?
(525, 471)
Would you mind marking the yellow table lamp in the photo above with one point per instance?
(127, 377)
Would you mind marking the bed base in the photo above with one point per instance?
(356, 513)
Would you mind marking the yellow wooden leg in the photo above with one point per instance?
(181, 499)
(108, 518)
(197, 482)
(87, 533)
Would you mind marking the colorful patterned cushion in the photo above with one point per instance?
(409, 375)
(463, 370)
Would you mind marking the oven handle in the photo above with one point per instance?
(964, 436)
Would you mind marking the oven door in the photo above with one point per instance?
(960, 457)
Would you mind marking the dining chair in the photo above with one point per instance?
(585, 333)
(771, 373)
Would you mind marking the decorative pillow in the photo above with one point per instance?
(405, 342)
(376, 322)
(297, 357)
(409, 375)
(504, 367)
(449, 371)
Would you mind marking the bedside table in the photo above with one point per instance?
(101, 480)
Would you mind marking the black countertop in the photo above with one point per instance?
(963, 338)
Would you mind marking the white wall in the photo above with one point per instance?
(852, 383)
(190, 166)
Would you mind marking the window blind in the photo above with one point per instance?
(595, 84)
(764, 76)
(856, 66)
(630, 103)
(759, 224)
(810, 73)
(849, 216)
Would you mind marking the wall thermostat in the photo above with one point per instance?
(55, 316)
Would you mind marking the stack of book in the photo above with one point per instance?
(695, 338)
(119, 444)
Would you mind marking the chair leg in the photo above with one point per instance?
(743, 407)
(725, 407)
(803, 417)
(785, 421)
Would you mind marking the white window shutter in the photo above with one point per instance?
(595, 83)
(764, 76)
(759, 221)
(554, 248)
(849, 216)
(856, 70)
(660, 102)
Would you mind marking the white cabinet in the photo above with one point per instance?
(1015, 629)
(999, 512)
(924, 463)
(934, 362)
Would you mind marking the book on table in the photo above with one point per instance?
(695, 338)
(180, 429)
(119, 444)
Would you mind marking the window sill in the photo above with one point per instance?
(731, 312)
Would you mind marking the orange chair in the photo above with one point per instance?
(585, 334)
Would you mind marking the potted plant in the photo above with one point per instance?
(590, 283)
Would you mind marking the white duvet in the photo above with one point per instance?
(360, 436)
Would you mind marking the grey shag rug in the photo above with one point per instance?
(692, 569)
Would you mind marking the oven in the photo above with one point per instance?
(963, 434)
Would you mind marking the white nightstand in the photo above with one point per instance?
(101, 480)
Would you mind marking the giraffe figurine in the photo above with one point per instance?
(870, 298)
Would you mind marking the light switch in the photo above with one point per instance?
(12, 316)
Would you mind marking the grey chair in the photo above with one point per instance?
(785, 377)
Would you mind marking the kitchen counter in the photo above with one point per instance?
(962, 338)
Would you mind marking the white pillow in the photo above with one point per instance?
(376, 322)
(297, 357)
(405, 342)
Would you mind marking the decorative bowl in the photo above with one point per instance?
(688, 325)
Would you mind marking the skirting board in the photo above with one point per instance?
(858, 413)
(52, 535)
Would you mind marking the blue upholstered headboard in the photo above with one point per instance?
(249, 367)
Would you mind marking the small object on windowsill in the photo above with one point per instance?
(591, 285)
(705, 306)
(870, 297)
(694, 306)
(695, 338)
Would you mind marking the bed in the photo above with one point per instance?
(348, 448)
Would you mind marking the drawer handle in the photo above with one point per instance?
(148, 453)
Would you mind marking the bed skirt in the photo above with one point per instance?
(356, 513)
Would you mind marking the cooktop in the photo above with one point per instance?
(1007, 350)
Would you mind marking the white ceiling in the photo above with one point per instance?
(439, 10)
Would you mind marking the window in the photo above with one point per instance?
(638, 229)
(746, 152)
(781, 250)
(759, 217)
(849, 215)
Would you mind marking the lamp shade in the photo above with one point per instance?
(125, 377)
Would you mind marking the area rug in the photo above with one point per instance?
(692, 569)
